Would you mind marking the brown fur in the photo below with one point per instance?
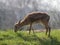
(34, 17)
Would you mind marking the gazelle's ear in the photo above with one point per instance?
(19, 20)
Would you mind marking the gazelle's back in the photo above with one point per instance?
(37, 16)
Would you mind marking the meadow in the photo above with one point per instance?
(9, 37)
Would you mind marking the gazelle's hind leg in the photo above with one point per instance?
(47, 27)
(49, 31)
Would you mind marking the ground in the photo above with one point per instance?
(9, 37)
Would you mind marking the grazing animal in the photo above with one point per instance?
(34, 17)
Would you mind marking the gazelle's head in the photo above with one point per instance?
(17, 26)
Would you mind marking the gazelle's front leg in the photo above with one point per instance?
(30, 28)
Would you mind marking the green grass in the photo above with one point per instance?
(23, 38)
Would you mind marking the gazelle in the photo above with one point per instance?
(34, 17)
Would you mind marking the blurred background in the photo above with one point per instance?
(12, 11)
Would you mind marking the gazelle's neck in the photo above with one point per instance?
(22, 23)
